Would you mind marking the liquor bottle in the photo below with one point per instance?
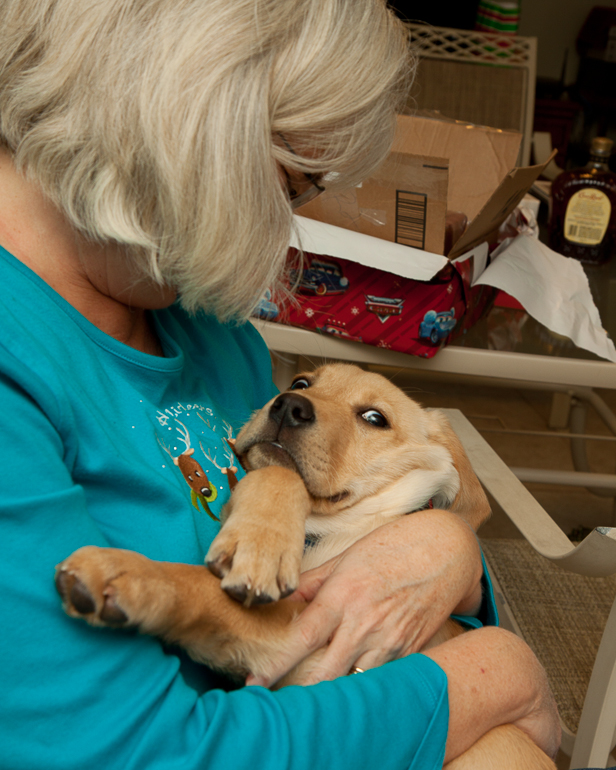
(583, 217)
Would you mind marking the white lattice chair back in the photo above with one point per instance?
(480, 77)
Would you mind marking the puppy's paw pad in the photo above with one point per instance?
(74, 593)
(255, 567)
(263, 598)
(90, 583)
(111, 614)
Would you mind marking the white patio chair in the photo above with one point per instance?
(558, 596)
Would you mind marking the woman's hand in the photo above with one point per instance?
(385, 596)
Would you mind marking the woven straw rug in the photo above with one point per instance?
(561, 616)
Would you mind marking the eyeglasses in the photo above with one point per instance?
(298, 196)
(302, 190)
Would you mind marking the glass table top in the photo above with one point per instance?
(513, 330)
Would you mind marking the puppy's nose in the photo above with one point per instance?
(290, 410)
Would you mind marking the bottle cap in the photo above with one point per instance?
(601, 145)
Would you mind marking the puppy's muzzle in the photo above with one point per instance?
(292, 410)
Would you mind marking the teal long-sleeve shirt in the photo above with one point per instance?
(89, 431)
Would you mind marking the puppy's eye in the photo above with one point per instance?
(300, 384)
(375, 418)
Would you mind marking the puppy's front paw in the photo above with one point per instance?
(256, 567)
(258, 551)
(110, 587)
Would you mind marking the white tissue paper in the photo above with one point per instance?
(552, 289)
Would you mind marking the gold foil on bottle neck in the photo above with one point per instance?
(601, 145)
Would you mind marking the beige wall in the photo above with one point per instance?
(556, 24)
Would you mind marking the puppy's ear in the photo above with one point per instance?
(471, 502)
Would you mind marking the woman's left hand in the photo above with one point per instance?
(385, 596)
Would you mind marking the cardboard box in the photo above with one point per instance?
(420, 300)
(436, 166)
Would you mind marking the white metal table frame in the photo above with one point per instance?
(576, 379)
(595, 556)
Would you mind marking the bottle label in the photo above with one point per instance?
(587, 216)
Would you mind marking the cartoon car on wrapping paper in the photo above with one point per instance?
(323, 277)
(384, 308)
(437, 325)
(336, 331)
(266, 309)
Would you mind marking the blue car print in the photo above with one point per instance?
(437, 325)
(323, 277)
(266, 309)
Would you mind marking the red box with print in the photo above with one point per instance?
(351, 301)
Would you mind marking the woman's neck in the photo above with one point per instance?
(98, 280)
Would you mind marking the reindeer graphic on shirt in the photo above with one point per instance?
(230, 469)
(201, 490)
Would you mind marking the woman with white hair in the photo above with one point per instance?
(151, 154)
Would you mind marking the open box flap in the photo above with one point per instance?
(391, 208)
(503, 201)
(479, 156)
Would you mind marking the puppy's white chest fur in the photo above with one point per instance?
(412, 492)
